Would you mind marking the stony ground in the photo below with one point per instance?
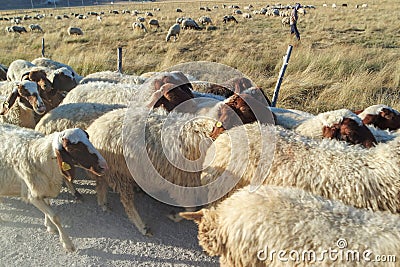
(101, 238)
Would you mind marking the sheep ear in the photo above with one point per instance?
(192, 216)
(65, 164)
(6, 105)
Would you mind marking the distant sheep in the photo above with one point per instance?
(139, 26)
(154, 23)
(34, 166)
(205, 20)
(190, 24)
(74, 31)
(174, 31)
(247, 228)
(229, 18)
(17, 29)
(35, 27)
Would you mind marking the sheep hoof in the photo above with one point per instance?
(147, 231)
(78, 196)
(51, 229)
(69, 247)
(173, 216)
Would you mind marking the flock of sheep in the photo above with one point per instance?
(320, 177)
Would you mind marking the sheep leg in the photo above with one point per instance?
(127, 200)
(174, 216)
(73, 191)
(101, 190)
(50, 214)
(51, 228)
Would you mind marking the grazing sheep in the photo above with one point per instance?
(246, 16)
(205, 20)
(139, 26)
(22, 103)
(17, 29)
(33, 166)
(140, 19)
(381, 116)
(154, 23)
(229, 18)
(341, 125)
(35, 27)
(178, 10)
(285, 21)
(363, 178)
(174, 31)
(74, 31)
(248, 226)
(190, 24)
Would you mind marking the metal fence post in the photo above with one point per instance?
(281, 73)
(43, 47)
(120, 59)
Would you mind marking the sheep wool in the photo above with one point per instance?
(248, 227)
(363, 178)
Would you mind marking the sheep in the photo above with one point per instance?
(205, 20)
(17, 29)
(190, 24)
(229, 18)
(102, 92)
(174, 31)
(22, 103)
(248, 228)
(246, 16)
(363, 178)
(139, 26)
(140, 19)
(74, 31)
(62, 79)
(339, 124)
(54, 65)
(179, 10)
(381, 116)
(191, 142)
(154, 23)
(285, 21)
(225, 89)
(35, 27)
(18, 68)
(112, 77)
(33, 166)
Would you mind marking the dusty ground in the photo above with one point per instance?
(101, 239)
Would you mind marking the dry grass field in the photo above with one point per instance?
(347, 57)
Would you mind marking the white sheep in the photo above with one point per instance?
(33, 166)
(363, 178)
(181, 132)
(139, 26)
(189, 23)
(74, 31)
(284, 226)
(113, 77)
(205, 20)
(174, 31)
(22, 102)
(102, 92)
(18, 68)
(54, 65)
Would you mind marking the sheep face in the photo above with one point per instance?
(74, 149)
(29, 98)
(64, 82)
(240, 109)
(350, 131)
(173, 96)
(386, 119)
(40, 77)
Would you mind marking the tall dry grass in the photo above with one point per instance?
(347, 57)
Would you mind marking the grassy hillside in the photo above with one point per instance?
(347, 57)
